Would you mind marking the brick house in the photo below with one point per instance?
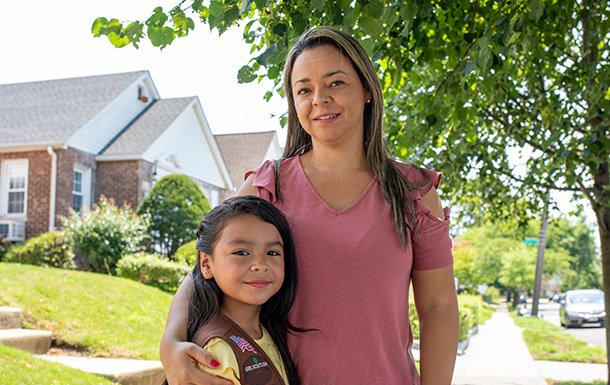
(243, 152)
(65, 142)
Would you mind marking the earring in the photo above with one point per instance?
(368, 101)
(205, 272)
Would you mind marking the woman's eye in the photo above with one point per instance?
(337, 83)
(302, 91)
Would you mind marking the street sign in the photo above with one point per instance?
(530, 241)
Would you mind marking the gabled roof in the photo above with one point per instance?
(243, 152)
(146, 129)
(51, 111)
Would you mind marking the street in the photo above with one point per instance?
(549, 311)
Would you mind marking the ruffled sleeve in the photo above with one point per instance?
(264, 180)
(432, 248)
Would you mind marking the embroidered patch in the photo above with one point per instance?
(243, 344)
(257, 371)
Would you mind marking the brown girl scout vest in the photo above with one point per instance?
(255, 367)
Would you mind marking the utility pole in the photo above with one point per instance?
(540, 259)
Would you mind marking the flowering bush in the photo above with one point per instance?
(105, 233)
(4, 245)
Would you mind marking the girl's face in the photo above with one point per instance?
(247, 262)
(328, 95)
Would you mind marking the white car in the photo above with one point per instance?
(582, 306)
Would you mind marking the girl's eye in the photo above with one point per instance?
(241, 252)
(274, 253)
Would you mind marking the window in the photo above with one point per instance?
(14, 187)
(81, 187)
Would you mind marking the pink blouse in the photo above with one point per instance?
(354, 277)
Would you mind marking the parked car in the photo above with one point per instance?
(582, 306)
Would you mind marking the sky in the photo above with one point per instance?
(44, 39)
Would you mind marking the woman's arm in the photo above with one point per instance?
(437, 310)
(180, 358)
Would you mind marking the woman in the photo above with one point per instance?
(364, 227)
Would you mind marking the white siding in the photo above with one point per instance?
(185, 140)
(94, 135)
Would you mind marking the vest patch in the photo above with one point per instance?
(243, 344)
(257, 370)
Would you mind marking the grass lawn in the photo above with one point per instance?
(546, 341)
(19, 367)
(110, 316)
(576, 383)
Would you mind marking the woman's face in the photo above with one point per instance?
(329, 97)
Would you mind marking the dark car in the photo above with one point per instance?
(579, 307)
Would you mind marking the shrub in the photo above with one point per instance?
(152, 270)
(49, 249)
(470, 313)
(105, 233)
(4, 245)
(187, 253)
(176, 206)
(492, 294)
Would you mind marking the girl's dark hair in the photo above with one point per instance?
(206, 296)
(396, 189)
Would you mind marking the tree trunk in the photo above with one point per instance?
(603, 219)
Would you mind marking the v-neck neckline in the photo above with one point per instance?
(324, 203)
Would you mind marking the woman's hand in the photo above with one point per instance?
(180, 364)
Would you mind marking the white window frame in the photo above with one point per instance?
(85, 184)
(12, 167)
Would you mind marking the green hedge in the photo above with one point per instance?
(49, 249)
(187, 253)
(470, 313)
(152, 270)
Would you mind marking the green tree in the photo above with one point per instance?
(585, 264)
(468, 84)
(176, 206)
(518, 268)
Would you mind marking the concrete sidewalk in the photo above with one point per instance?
(497, 355)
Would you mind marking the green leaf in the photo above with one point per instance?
(469, 67)
(536, 9)
(298, 22)
(483, 60)
(373, 9)
(513, 38)
(98, 24)
(370, 25)
(262, 59)
(369, 45)
(318, 4)
(118, 40)
(280, 29)
(245, 75)
(273, 72)
(161, 36)
(216, 8)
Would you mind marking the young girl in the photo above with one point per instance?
(244, 286)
